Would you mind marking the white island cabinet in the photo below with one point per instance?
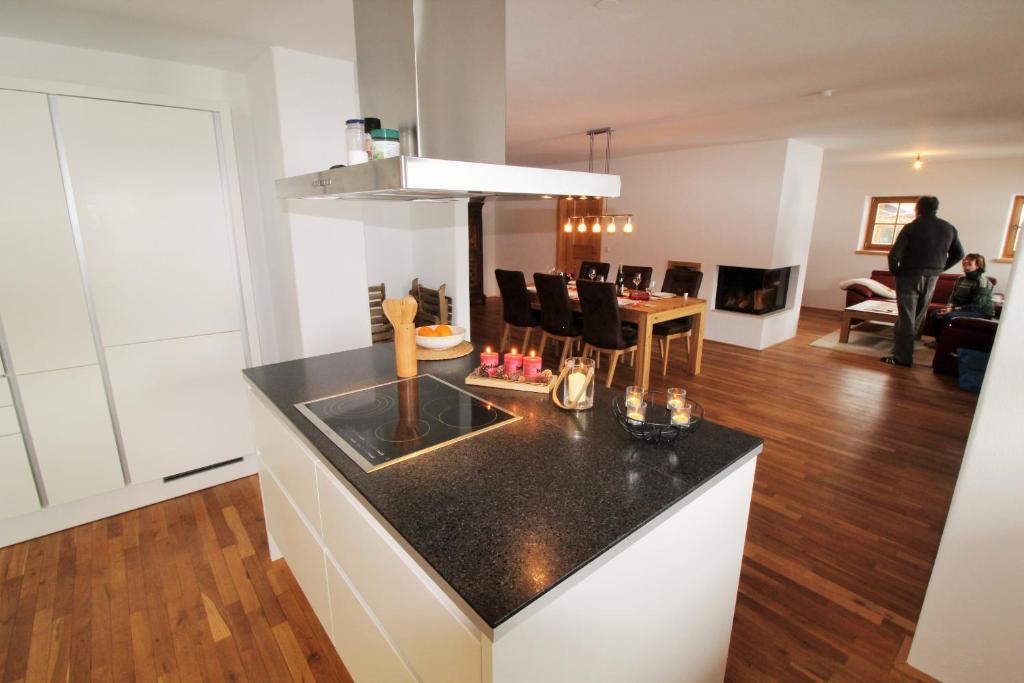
(656, 606)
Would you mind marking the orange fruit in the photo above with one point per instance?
(426, 332)
(443, 331)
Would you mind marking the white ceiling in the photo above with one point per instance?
(227, 34)
(942, 77)
(938, 76)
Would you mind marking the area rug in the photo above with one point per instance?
(872, 339)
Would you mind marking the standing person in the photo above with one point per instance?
(925, 247)
(971, 297)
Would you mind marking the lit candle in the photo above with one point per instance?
(681, 415)
(488, 358)
(676, 398)
(634, 396)
(576, 381)
(637, 413)
(513, 362)
(531, 365)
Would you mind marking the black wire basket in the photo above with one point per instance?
(657, 426)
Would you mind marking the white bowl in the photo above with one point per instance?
(438, 343)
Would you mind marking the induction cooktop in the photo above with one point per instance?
(385, 424)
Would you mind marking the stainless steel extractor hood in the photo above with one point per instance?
(435, 70)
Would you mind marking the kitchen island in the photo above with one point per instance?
(551, 548)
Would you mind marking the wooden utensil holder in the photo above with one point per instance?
(405, 349)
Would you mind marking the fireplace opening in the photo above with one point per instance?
(755, 291)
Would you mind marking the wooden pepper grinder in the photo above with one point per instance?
(402, 313)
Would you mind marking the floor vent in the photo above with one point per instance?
(182, 475)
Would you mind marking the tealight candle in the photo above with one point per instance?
(531, 365)
(634, 397)
(637, 413)
(681, 415)
(488, 358)
(675, 398)
(513, 362)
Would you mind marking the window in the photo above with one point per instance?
(886, 217)
(1013, 231)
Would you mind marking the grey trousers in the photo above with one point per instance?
(913, 294)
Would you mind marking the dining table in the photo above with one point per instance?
(645, 315)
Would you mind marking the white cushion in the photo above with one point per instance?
(875, 286)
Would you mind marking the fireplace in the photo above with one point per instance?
(755, 291)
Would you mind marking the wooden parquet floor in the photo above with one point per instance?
(850, 497)
(179, 591)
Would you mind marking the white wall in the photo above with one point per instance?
(317, 248)
(59, 63)
(389, 257)
(518, 235)
(974, 195)
(971, 626)
(743, 205)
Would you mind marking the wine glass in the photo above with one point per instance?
(651, 289)
(636, 280)
(592, 274)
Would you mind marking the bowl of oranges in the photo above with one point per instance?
(439, 336)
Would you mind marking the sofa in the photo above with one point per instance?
(963, 333)
(857, 293)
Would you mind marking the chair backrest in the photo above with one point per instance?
(515, 299)
(380, 326)
(682, 281)
(645, 275)
(429, 309)
(602, 326)
(555, 309)
(601, 270)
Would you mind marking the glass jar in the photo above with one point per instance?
(385, 143)
(354, 142)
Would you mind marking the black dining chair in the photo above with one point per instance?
(557, 320)
(678, 281)
(516, 313)
(645, 276)
(603, 331)
(600, 271)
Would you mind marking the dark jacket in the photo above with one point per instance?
(927, 246)
(973, 292)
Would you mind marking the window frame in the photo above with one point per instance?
(1011, 241)
(867, 246)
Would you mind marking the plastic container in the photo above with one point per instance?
(385, 143)
(354, 136)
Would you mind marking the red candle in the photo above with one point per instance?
(531, 365)
(488, 358)
(513, 362)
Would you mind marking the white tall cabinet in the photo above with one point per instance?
(121, 312)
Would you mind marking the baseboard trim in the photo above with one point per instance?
(59, 517)
(904, 672)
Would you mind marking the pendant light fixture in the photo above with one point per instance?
(607, 219)
(918, 163)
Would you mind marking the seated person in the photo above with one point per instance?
(971, 297)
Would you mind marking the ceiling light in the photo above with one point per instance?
(918, 163)
(567, 227)
(609, 218)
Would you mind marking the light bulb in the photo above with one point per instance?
(567, 227)
(628, 227)
(918, 163)
(611, 226)
(597, 225)
(582, 227)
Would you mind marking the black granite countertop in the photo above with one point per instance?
(506, 515)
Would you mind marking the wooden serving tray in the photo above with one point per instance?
(458, 351)
(495, 383)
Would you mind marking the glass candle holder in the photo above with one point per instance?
(675, 397)
(578, 387)
(634, 397)
(637, 414)
(681, 414)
